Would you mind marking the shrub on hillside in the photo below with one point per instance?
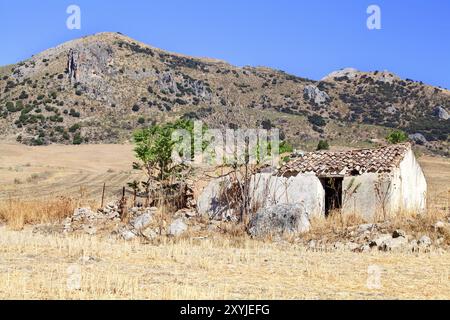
(323, 145)
(397, 136)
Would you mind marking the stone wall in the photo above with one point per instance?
(408, 190)
(404, 188)
(303, 189)
(359, 194)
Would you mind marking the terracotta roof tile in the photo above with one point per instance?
(351, 162)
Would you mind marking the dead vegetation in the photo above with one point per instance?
(219, 268)
(18, 213)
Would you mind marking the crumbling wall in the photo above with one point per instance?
(359, 194)
(413, 192)
(265, 190)
(303, 189)
(404, 188)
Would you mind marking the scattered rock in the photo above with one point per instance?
(87, 259)
(439, 226)
(142, 221)
(366, 227)
(280, 219)
(312, 244)
(393, 244)
(352, 246)
(186, 213)
(425, 241)
(89, 229)
(83, 213)
(177, 227)
(127, 234)
(398, 233)
(380, 240)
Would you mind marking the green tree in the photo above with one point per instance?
(153, 150)
(154, 146)
(397, 136)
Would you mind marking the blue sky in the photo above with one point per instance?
(305, 38)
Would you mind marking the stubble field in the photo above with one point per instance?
(55, 266)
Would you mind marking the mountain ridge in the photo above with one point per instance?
(100, 88)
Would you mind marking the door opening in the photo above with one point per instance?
(333, 193)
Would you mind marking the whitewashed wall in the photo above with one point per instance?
(303, 189)
(359, 195)
(412, 190)
(403, 189)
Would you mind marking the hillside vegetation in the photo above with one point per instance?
(102, 87)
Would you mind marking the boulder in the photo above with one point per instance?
(418, 138)
(439, 225)
(394, 244)
(441, 113)
(127, 234)
(425, 241)
(280, 219)
(177, 227)
(380, 240)
(399, 233)
(366, 227)
(142, 221)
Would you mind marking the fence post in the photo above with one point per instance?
(103, 194)
(123, 205)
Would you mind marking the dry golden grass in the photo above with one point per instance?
(56, 170)
(227, 266)
(35, 266)
(18, 213)
(413, 223)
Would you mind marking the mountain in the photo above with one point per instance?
(100, 88)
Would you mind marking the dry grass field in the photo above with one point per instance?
(44, 266)
(56, 266)
(36, 172)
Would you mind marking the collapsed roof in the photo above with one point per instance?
(347, 163)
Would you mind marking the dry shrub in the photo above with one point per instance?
(17, 213)
(421, 224)
(413, 223)
(233, 229)
(334, 222)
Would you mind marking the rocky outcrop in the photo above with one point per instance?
(279, 220)
(441, 113)
(315, 94)
(418, 138)
(72, 66)
(347, 72)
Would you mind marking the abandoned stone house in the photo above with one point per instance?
(384, 180)
(368, 182)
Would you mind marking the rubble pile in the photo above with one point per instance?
(377, 237)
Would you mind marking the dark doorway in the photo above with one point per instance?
(333, 193)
